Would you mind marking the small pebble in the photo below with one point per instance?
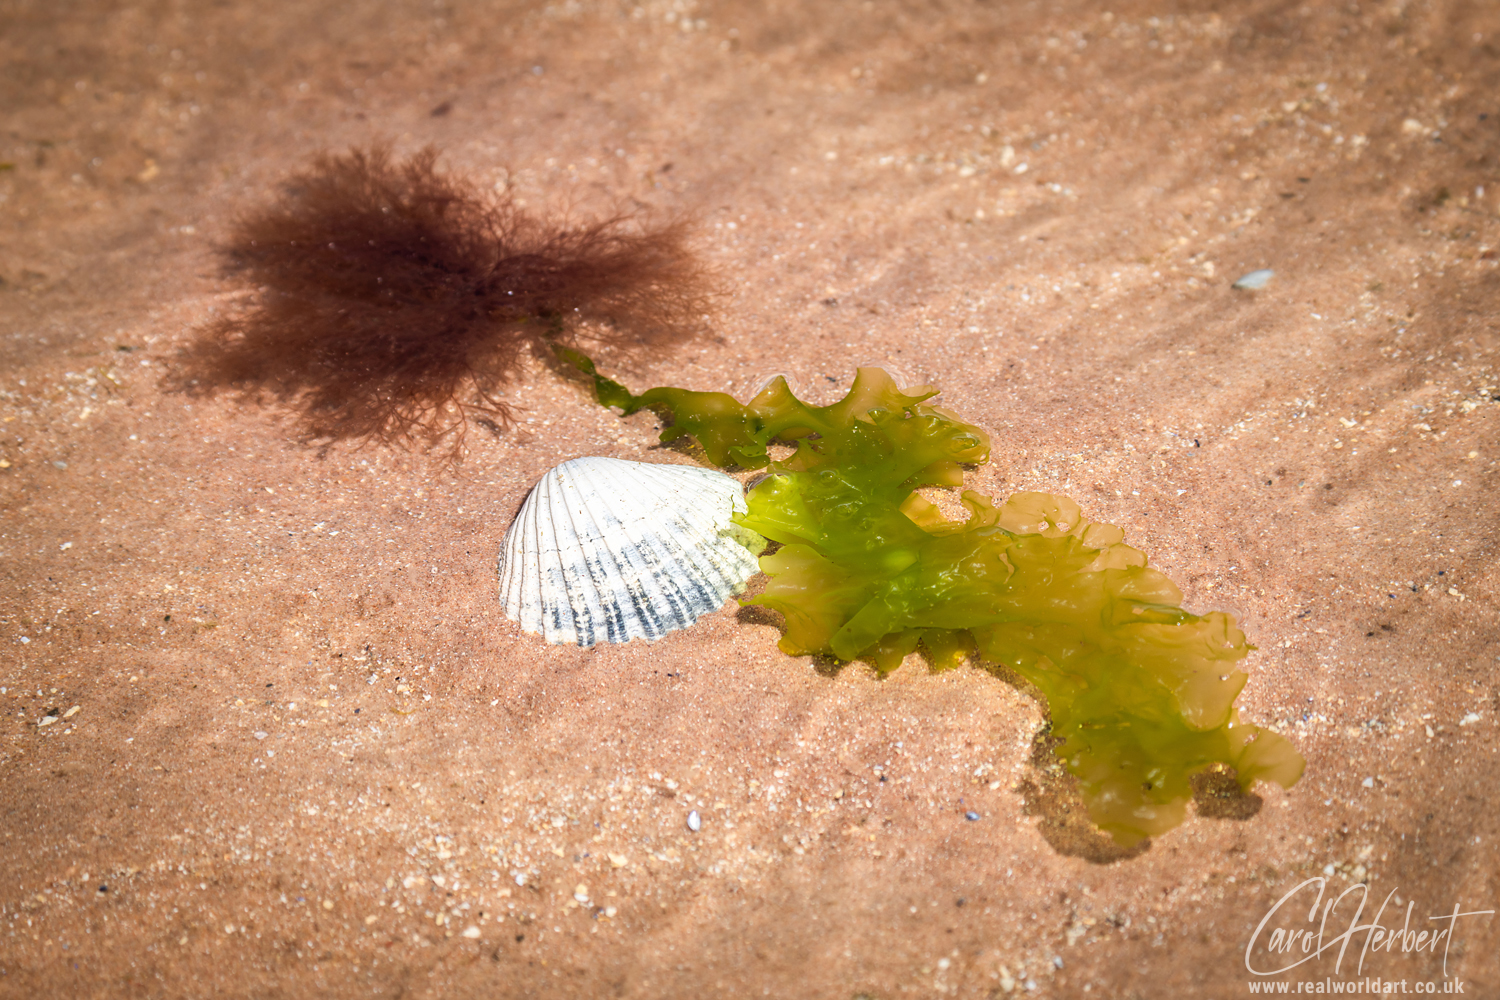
(619, 860)
(71, 712)
(695, 823)
(471, 932)
(971, 816)
(1368, 783)
(260, 734)
(1255, 279)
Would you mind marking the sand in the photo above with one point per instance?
(309, 756)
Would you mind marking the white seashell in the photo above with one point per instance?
(605, 550)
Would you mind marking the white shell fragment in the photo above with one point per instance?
(1254, 280)
(605, 550)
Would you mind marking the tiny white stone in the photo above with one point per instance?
(471, 932)
(694, 821)
(605, 550)
(1255, 279)
(1469, 719)
(261, 734)
(1368, 782)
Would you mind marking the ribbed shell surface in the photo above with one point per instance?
(605, 550)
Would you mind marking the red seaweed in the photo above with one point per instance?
(392, 300)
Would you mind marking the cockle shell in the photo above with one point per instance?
(605, 550)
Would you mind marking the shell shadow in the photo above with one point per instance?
(756, 615)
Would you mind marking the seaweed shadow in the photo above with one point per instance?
(1051, 793)
(1217, 795)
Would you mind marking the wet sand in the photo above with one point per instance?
(309, 755)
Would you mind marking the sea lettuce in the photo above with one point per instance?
(1140, 692)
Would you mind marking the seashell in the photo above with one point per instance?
(605, 550)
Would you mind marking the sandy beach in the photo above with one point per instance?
(267, 733)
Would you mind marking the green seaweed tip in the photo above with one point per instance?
(1140, 692)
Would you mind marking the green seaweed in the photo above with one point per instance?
(1140, 692)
